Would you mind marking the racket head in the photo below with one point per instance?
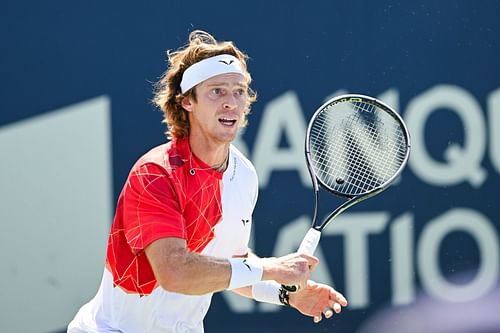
(356, 146)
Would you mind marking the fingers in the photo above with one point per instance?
(335, 304)
(292, 269)
(338, 297)
(337, 308)
(337, 301)
(327, 312)
(296, 269)
(312, 261)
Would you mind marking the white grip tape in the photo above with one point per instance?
(310, 242)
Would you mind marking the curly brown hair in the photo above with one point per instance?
(168, 96)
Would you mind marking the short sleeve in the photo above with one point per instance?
(152, 208)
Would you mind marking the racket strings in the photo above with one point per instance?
(366, 176)
(356, 148)
(356, 166)
(370, 175)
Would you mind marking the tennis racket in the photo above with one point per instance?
(356, 146)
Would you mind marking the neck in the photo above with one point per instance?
(213, 155)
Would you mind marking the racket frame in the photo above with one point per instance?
(317, 182)
(311, 239)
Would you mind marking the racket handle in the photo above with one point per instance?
(310, 242)
(308, 246)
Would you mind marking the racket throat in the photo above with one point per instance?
(340, 209)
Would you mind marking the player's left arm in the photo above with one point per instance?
(315, 300)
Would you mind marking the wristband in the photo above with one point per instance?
(244, 272)
(267, 291)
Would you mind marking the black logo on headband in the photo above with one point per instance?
(226, 62)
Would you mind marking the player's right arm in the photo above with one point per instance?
(178, 270)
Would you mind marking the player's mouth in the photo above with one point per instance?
(227, 121)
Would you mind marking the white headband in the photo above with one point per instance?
(208, 68)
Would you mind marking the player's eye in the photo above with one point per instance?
(217, 91)
(241, 93)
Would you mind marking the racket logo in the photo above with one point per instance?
(248, 266)
(226, 62)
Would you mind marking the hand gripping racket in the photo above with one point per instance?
(356, 146)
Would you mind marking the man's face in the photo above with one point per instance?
(218, 111)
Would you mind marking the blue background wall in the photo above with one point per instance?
(437, 62)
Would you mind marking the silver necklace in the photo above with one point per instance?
(218, 168)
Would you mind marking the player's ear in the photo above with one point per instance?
(187, 104)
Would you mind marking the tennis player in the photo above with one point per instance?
(183, 218)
